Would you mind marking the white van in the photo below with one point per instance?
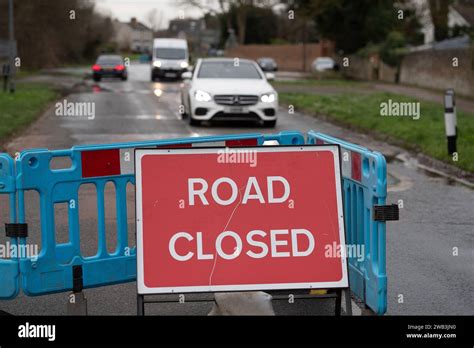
(170, 58)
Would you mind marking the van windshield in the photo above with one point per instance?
(170, 53)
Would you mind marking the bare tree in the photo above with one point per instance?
(241, 8)
(439, 10)
(71, 31)
(154, 18)
(206, 6)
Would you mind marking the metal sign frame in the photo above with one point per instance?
(144, 290)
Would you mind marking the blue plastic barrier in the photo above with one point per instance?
(60, 266)
(364, 175)
(9, 268)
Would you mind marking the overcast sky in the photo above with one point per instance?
(123, 10)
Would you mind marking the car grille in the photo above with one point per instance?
(236, 100)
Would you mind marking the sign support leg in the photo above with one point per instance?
(140, 305)
(338, 302)
(347, 297)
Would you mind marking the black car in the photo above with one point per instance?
(268, 64)
(109, 66)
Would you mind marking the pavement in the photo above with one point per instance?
(424, 277)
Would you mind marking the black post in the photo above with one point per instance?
(5, 73)
(450, 121)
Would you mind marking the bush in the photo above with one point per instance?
(393, 48)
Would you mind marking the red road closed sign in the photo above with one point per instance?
(225, 219)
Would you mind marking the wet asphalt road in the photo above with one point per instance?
(437, 215)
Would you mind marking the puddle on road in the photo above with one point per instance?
(396, 183)
(413, 163)
(96, 88)
(158, 91)
(446, 180)
(392, 180)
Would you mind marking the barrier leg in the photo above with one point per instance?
(140, 305)
(77, 304)
(347, 296)
(338, 302)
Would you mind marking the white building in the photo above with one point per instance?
(133, 36)
(459, 15)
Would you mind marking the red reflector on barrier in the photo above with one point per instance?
(242, 142)
(355, 166)
(100, 163)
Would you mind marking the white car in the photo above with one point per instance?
(223, 88)
(323, 64)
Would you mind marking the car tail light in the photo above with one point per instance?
(119, 67)
(96, 67)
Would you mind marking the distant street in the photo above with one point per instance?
(437, 215)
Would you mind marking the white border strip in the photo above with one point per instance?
(143, 289)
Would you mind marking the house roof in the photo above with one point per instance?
(466, 10)
(185, 25)
(138, 25)
(453, 43)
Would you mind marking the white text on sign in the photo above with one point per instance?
(275, 248)
(198, 187)
(198, 191)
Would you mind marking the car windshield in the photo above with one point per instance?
(228, 70)
(323, 60)
(170, 53)
(109, 60)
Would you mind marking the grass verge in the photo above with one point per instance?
(19, 109)
(362, 112)
(336, 82)
(23, 73)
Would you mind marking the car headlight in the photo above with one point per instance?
(184, 65)
(268, 98)
(157, 63)
(202, 96)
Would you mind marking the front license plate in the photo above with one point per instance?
(170, 74)
(235, 110)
